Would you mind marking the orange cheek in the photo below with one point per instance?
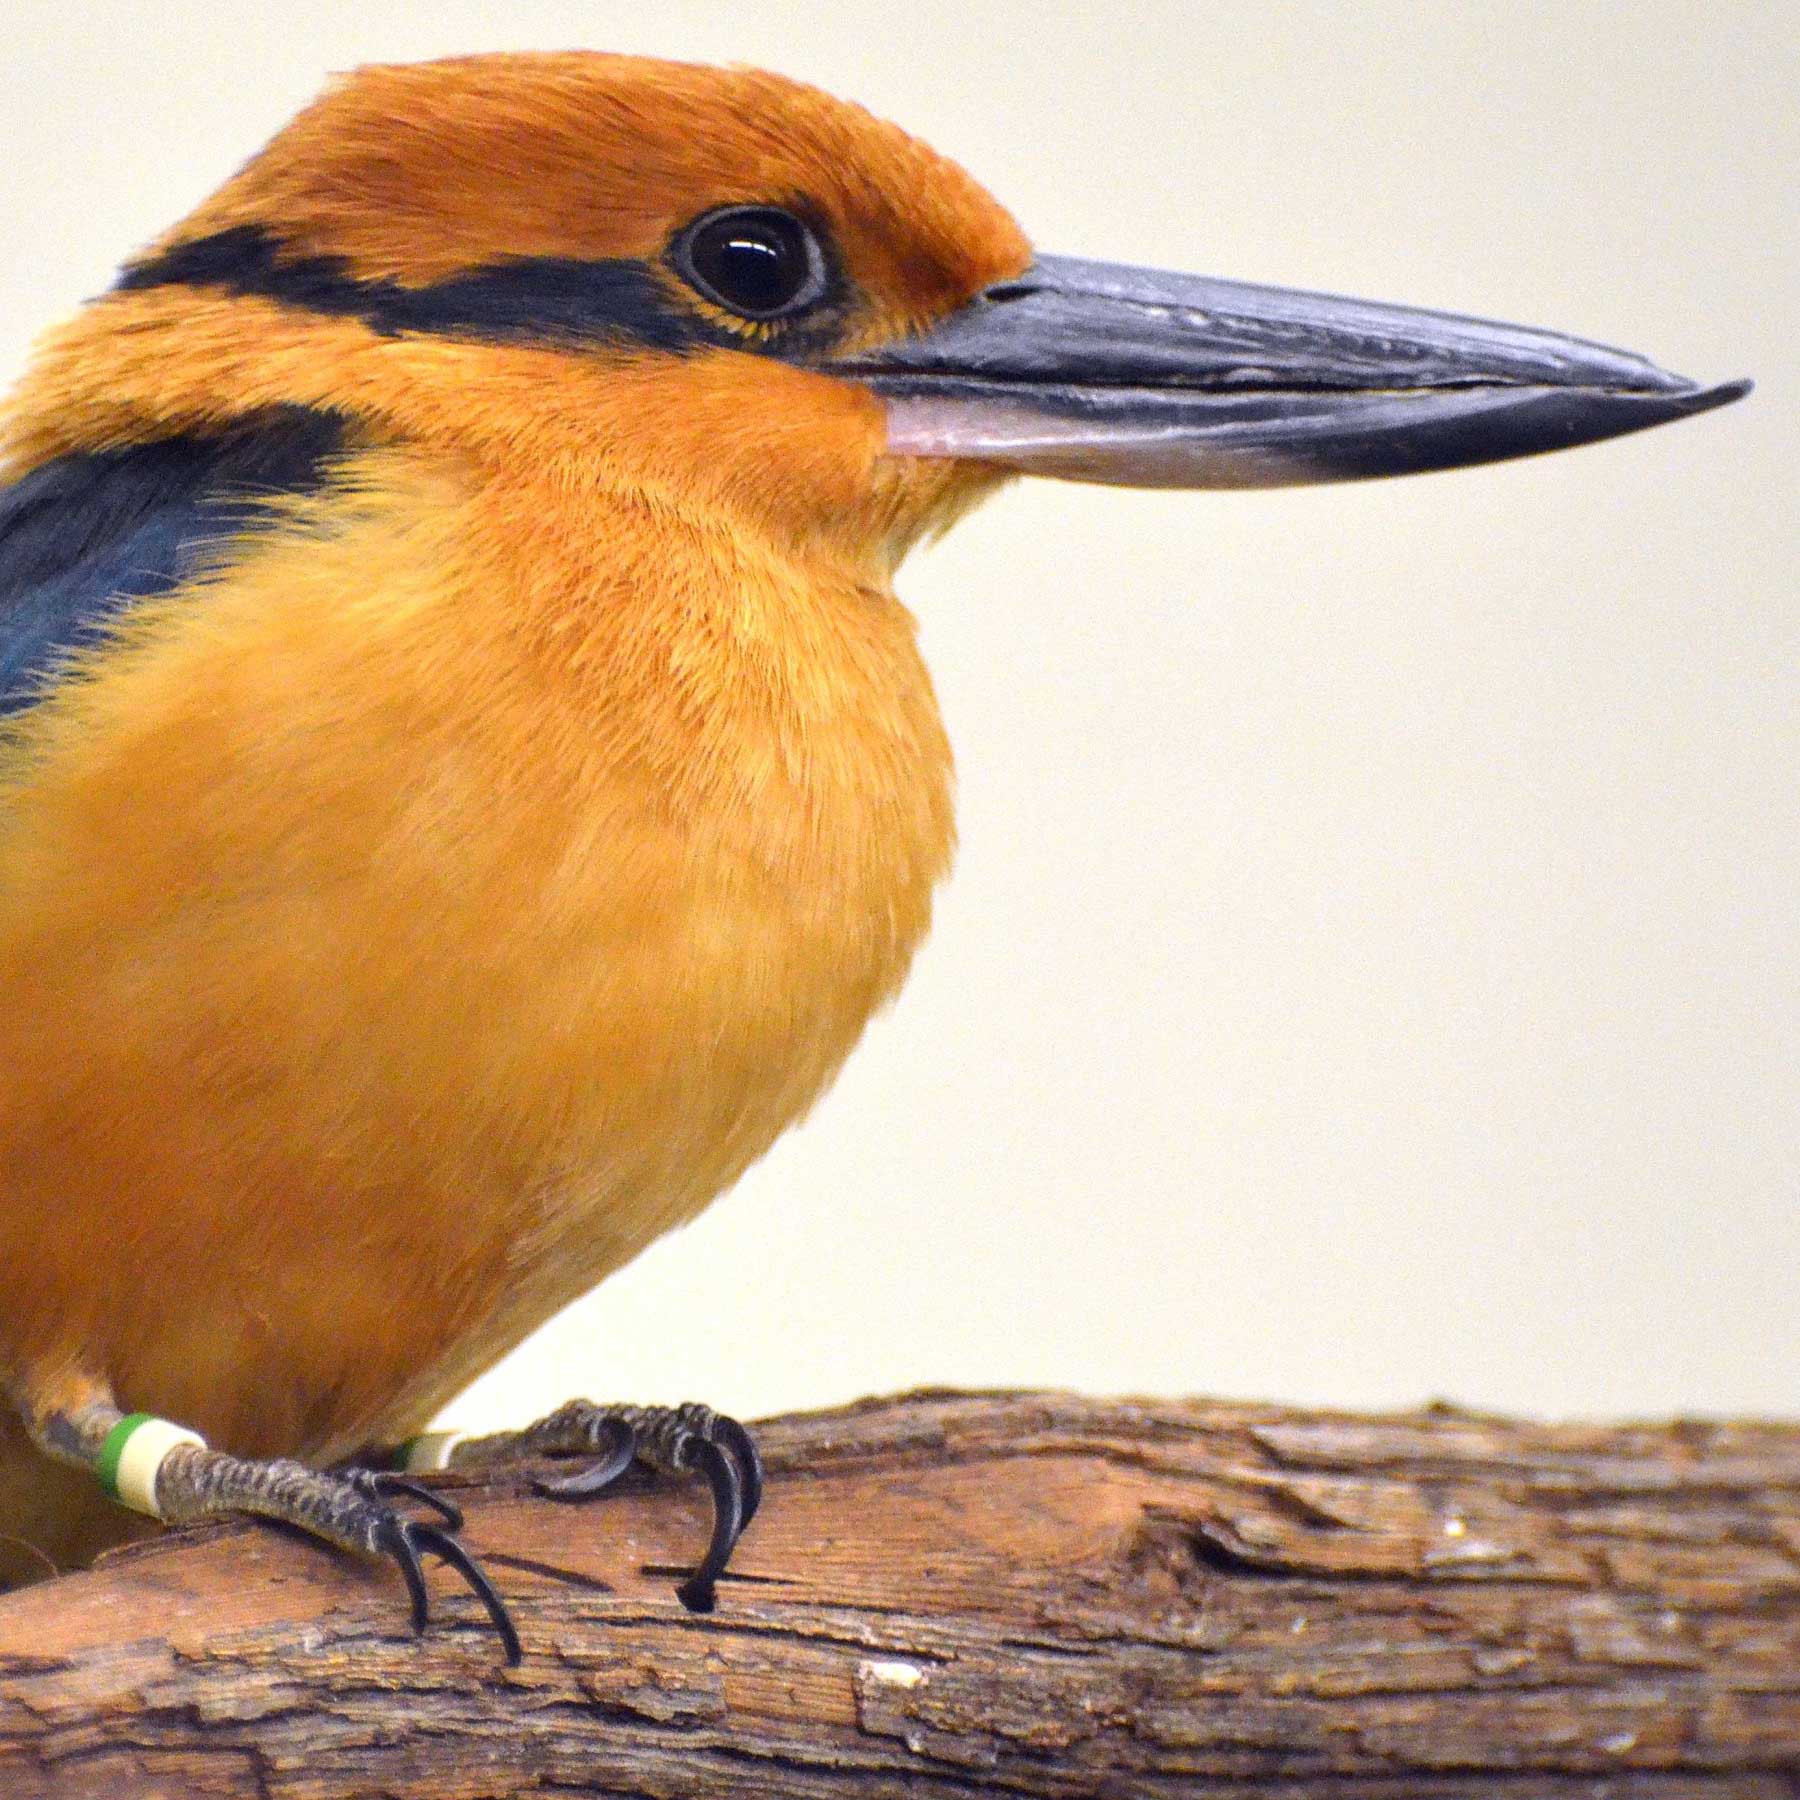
(801, 449)
(827, 465)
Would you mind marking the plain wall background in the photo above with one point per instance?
(1371, 968)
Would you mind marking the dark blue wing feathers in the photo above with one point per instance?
(84, 536)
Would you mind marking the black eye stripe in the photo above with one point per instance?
(549, 300)
(529, 300)
(759, 262)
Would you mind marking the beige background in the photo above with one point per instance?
(1370, 972)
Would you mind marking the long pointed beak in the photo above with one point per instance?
(1097, 372)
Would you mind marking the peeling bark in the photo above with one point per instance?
(953, 1595)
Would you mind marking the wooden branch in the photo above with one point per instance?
(956, 1595)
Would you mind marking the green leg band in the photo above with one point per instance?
(108, 1466)
(133, 1454)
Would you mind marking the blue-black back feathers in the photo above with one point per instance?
(85, 535)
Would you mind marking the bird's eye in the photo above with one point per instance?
(757, 261)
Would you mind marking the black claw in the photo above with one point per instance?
(446, 1548)
(393, 1537)
(699, 1592)
(594, 1476)
(382, 1484)
(405, 1539)
(749, 1460)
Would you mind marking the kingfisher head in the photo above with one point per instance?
(747, 292)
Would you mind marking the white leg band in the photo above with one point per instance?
(429, 1450)
(135, 1452)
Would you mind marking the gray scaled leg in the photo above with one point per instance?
(162, 1469)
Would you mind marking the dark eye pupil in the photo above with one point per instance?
(755, 271)
(755, 260)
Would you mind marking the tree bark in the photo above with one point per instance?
(951, 1595)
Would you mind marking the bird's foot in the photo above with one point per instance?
(166, 1471)
(670, 1440)
(353, 1510)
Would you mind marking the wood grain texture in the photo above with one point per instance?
(948, 1595)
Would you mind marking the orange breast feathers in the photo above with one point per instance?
(407, 928)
